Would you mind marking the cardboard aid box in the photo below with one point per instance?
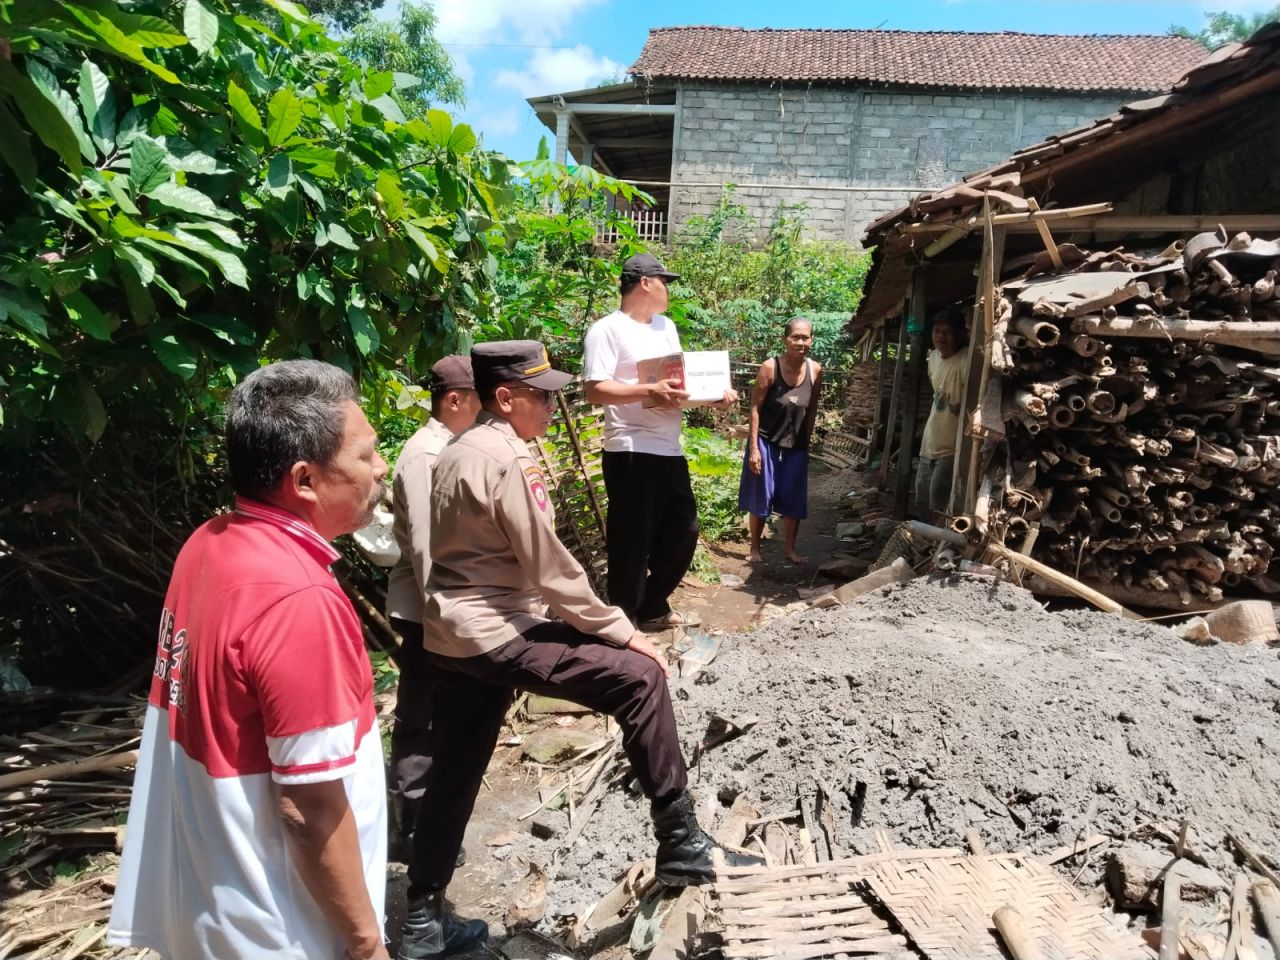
(704, 374)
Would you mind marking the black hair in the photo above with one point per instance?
(790, 327)
(947, 318)
(437, 398)
(628, 283)
(281, 414)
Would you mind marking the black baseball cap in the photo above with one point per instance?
(523, 360)
(646, 265)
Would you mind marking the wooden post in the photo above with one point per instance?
(880, 365)
(896, 390)
(963, 492)
(911, 400)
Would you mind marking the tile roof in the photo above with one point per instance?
(990, 61)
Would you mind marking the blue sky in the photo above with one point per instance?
(506, 50)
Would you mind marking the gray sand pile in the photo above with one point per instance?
(964, 703)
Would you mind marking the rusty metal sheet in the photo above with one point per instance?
(1073, 288)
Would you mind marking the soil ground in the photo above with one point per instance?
(945, 703)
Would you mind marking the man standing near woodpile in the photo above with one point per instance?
(454, 405)
(652, 527)
(496, 567)
(948, 367)
(257, 826)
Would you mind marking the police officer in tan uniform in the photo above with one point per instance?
(498, 572)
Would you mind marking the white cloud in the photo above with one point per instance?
(554, 71)
(505, 21)
(497, 123)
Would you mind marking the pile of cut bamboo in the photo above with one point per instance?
(1140, 398)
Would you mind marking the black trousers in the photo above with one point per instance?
(415, 701)
(651, 531)
(472, 698)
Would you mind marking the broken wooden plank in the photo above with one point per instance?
(897, 572)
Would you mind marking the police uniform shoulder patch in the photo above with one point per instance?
(537, 486)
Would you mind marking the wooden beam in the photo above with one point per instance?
(973, 378)
(911, 401)
(633, 143)
(879, 401)
(623, 109)
(1122, 223)
(1050, 245)
(894, 395)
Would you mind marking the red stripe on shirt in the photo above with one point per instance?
(314, 767)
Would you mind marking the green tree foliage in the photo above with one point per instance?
(553, 279)
(344, 14)
(409, 49)
(191, 186)
(738, 297)
(1224, 26)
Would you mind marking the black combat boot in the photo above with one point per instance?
(433, 931)
(684, 851)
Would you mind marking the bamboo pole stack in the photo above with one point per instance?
(1140, 399)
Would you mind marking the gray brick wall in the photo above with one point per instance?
(850, 154)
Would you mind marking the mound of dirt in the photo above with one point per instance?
(964, 703)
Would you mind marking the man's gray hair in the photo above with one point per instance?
(283, 413)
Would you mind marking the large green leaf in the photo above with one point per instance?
(77, 404)
(85, 314)
(98, 102)
(284, 113)
(320, 162)
(102, 26)
(428, 247)
(220, 231)
(228, 328)
(280, 175)
(201, 26)
(115, 186)
(170, 251)
(148, 164)
(228, 262)
(142, 266)
(245, 112)
(377, 84)
(392, 194)
(176, 356)
(42, 117)
(15, 148)
(188, 200)
(21, 309)
(363, 332)
(290, 10)
(462, 139)
(339, 236)
(441, 125)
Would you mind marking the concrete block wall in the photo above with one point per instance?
(849, 153)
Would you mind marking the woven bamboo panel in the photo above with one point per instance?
(806, 911)
(945, 905)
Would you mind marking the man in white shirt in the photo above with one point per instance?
(652, 528)
(948, 367)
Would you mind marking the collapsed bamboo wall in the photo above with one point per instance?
(1139, 398)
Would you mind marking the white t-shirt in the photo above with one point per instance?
(614, 345)
(947, 377)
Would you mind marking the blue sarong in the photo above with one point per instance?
(781, 487)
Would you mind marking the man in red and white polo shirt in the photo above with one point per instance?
(257, 826)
